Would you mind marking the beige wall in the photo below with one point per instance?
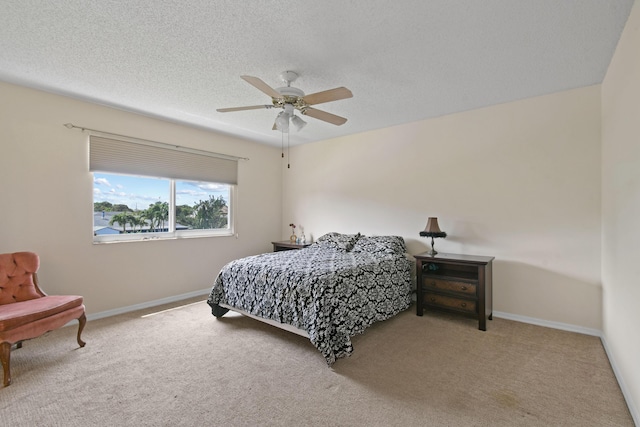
(621, 209)
(46, 197)
(519, 181)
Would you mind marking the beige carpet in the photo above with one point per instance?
(183, 367)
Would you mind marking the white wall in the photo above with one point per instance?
(621, 209)
(46, 203)
(518, 181)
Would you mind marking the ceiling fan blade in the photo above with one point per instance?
(252, 107)
(262, 86)
(327, 96)
(324, 116)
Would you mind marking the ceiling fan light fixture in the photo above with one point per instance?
(298, 122)
(282, 121)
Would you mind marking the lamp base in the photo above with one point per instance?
(433, 251)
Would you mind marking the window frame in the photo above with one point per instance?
(172, 234)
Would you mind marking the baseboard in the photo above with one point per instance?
(635, 414)
(549, 324)
(148, 304)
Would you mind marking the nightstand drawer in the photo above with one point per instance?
(468, 306)
(449, 285)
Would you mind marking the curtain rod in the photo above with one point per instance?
(154, 143)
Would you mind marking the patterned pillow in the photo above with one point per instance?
(340, 242)
(380, 244)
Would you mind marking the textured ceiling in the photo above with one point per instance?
(404, 60)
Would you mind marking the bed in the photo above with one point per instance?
(329, 291)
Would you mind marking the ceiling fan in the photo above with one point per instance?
(290, 98)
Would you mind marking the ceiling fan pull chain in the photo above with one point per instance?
(288, 151)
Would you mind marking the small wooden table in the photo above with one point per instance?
(286, 245)
(460, 283)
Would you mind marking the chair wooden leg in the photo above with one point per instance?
(5, 358)
(81, 320)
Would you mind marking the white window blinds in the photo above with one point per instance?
(117, 156)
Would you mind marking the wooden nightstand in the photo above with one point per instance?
(286, 245)
(460, 283)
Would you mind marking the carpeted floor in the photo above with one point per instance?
(183, 367)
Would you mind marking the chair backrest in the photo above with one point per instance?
(18, 280)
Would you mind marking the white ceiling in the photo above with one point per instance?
(404, 60)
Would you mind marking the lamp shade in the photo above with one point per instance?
(432, 226)
(282, 122)
(298, 122)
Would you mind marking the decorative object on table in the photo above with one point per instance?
(432, 267)
(293, 237)
(433, 230)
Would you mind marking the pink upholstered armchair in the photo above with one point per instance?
(25, 310)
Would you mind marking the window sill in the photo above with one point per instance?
(162, 238)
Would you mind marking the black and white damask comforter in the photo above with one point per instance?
(333, 289)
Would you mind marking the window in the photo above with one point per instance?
(143, 192)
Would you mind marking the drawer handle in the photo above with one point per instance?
(464, 288)
(464, 304)
(433, 299)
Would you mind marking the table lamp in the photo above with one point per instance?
(432, 230)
